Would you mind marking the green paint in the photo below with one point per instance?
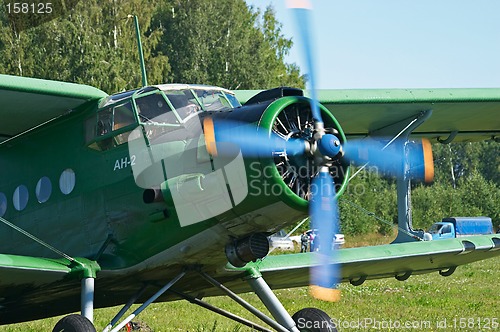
(84, 268)
(34, 263)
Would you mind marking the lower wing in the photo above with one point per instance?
(385, 261)
(32, 288)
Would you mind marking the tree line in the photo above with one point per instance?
(227, 43)
(220, 42)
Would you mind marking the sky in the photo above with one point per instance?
(400, 43)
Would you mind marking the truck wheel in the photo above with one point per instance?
(74, 323)
(313, 320)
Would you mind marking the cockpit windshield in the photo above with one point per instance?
(152, 108)
(159, 109)
(213, 100)
(185, 103)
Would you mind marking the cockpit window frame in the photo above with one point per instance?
(220, 93)
(176, 109)
(96, 141)
(115, 137)
(169, 104)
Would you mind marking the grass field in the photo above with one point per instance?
(466, 301)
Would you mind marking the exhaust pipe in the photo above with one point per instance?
(152, 195)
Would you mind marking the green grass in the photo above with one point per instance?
(470, 293)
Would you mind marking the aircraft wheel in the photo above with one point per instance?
(74, 323)
(313, 320)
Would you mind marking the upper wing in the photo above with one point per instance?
(385, 261)
(474, 114)
(29, 102)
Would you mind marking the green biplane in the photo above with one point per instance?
(85, 225)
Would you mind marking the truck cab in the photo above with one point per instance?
(442, 230)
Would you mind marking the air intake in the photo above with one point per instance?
(246, 250)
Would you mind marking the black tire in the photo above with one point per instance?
(313, 320)
(74, 323)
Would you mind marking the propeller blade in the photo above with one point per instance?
(322, 206)
(225, 137)
(323, 209)
(373, 153)
(390, 159)
(302, 12)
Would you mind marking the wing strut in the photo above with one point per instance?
(403, 129)
(283, 319)
(143, 306)
(225, 313)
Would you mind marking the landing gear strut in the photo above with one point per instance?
(305, 320)
(83, 322)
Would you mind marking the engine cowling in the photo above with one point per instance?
(285, 176)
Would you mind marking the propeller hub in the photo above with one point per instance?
(329, 145)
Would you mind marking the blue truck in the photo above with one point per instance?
(453, 227)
